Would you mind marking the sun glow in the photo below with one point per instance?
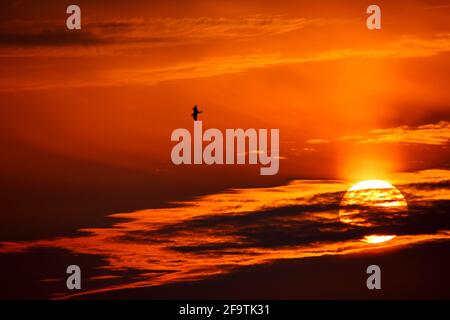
(377, 239)
(373, 203)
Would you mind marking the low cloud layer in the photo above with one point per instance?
(223, 232)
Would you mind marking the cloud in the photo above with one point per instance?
(437, 134)
(124, 38)
(235, 64)
(54, 37)
(151, 32)
(317, 141)
(222, 232)
(433, 134)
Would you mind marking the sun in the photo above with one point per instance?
(373, 203)
(371, 184)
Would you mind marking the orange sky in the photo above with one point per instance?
(112, 92)
(86, 118)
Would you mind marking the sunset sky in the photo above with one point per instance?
(86, 117)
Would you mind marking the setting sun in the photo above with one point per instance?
(372, 203)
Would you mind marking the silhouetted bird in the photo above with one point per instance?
(195, 112)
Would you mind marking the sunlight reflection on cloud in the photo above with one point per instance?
(219, 233)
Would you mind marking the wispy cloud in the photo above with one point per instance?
(149, 32)
(236, 64)
(317, 141)
(432, 134)
(404, 47)
(437, 134)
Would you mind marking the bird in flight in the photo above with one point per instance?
(195, 112)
